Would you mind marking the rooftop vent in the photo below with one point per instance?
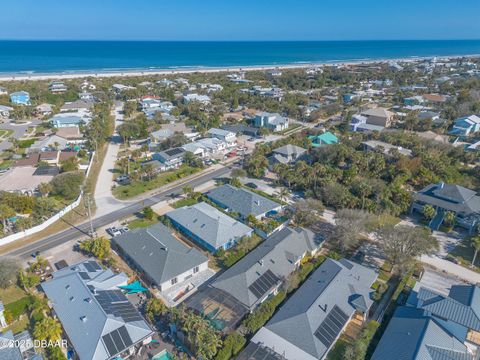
(72, 298)
(88, 300)
(67, 287)
(83, 318)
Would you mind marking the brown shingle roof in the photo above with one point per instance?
(31, 160)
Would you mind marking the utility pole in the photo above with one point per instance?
(89, 214)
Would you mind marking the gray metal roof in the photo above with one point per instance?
(462, 306)
(328, 293)
(278, 253)
(72, 293)
(242, 201)
(412, 334)
(158, 253)
(7, 349)
(290, 150)
(209, 224)
(450, 197)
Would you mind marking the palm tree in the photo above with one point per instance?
(5, 213)
(187, 190)
(475, 243)
(47, 329)
(283, 194)
(449, 218)
(428, 212)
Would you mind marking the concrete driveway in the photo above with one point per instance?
(104, 199)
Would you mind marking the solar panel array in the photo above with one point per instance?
(263, 284)
(331, 326)
(46, 170)
(174, 151)
(117, 341)
(84, 275)
(91, 266)
(115, 303)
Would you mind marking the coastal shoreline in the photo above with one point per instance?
(66, 74)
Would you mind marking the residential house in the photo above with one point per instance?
(287, 154)
(159, 136)
(20, 98)
(156, 165)
(327, 138)
(43, 109)
(57, 87)
(203, 99)
(228, 137)
(196, 149)
(275, 72)
(242, 129)
(434, 326)
(171, 158)
(119, 88)
(52, 142)
(3, 91)
(98, 319)
(211, 147)
(82, 106)
(86, 96)
(70, 133)
(257, 276)
(271, 121)
(243, 202)
(434, 98)
(349, 97)
(5, 111)
(378, 116)
(310, 322)
(463, 202)
(66, 121)
(208, 227)
(466, 125)
(386, 148)
(163, 260)
(17, 347)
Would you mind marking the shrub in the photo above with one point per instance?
(263, 313)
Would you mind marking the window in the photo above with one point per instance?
(173, 281)
(195, 269)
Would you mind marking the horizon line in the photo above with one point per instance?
(232, 41)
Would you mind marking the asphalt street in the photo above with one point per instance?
(79, 231)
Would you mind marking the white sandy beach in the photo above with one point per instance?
(147, 72)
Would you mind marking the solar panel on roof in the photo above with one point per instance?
(110, 345)
(88, 266)
(263, 284)
(95, 265)
(84, 275)
(115, 303)
(331, 326)
(46, 170)
(117, 341)
(173, 152)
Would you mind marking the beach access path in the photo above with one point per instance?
(104, 199)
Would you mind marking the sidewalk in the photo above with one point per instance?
(454, 269)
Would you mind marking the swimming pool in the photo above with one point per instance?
(163, 355)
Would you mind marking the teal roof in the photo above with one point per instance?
(324, 139)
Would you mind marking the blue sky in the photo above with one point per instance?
(240, 20)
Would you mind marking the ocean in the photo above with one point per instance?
(38, 57)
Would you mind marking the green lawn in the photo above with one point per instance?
(18, 307)
(18, 325)
(141, 223)
(140, 187)
(184, 202)
(463, 252)
(11, 294)
(24, 144)
(5, 133)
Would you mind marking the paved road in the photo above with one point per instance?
(104, 200)
(19, 131)
(82, 230)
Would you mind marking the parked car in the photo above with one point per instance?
(114, 231)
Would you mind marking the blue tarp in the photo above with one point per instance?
(134, 287)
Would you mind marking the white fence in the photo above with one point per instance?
(50, 221)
